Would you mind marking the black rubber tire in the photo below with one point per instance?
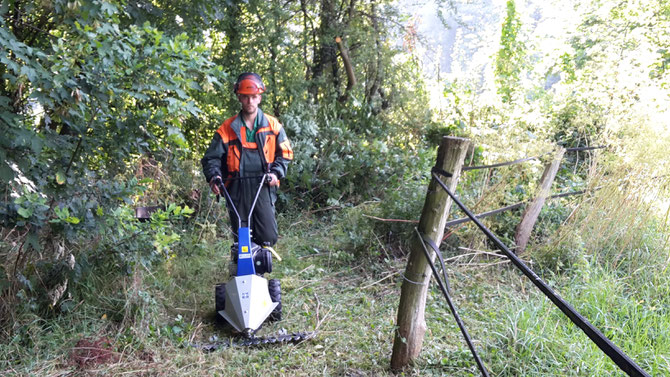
(220, 297)
(275, 295)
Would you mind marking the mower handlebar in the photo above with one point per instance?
(218, 181)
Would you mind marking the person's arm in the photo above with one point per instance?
(283, 155)
(212, 162)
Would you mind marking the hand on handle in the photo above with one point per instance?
(214, 184)
(272, 180)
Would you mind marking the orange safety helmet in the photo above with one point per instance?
(249, 83)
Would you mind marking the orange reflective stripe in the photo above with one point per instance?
(245, 143)
(227, 136)
(269, 148)
(273, 124)
(226, 132)
(233, 159)
(286, 150)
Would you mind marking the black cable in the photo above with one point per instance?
(240, 178)
(466, 168)
(445, 173)
(610, 349)
(484, 214)
(432, 244)
(578, 149)
(445, 292)
(507, 208)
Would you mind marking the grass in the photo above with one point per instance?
(348, 291)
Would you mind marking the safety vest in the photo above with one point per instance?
(270, 135)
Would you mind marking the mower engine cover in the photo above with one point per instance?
(261, 256)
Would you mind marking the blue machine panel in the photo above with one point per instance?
(245, 261)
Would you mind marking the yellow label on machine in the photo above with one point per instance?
(245, 249)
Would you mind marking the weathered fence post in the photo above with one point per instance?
(530, 215)
(411, 322)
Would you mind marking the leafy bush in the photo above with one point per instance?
(344, 154)
(76, 114)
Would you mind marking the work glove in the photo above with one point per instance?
(214, 185)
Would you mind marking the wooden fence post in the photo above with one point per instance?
(411, 324)
(530, 215)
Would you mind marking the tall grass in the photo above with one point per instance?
(341, 277)
(610, 261)
(152, 316)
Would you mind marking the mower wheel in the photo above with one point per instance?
(275, 295)
(220, 297)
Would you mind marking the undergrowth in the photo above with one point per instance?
(341, 274)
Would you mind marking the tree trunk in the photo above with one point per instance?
(306, 31)
(378, 69)
(351, 77)
(532, 212)
(411, 322)
(231, 29)
(324, 53)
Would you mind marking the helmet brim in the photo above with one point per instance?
(249, 86)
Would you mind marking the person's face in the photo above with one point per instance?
(249, 102)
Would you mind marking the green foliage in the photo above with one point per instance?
(510, 57)
(578, 123)
(108, 105)
(117, 92)
(131, 242)
(76, 112)
(662, 65)
(435, 133)
(520, 332)
(346, 154)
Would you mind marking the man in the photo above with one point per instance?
(249, 144)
